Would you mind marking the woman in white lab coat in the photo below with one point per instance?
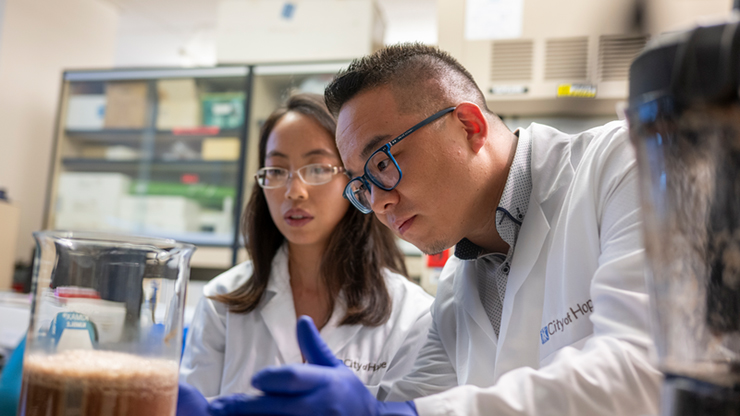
(311, 254)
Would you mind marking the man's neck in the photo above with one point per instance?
(485, 234)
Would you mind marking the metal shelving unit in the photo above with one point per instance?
(157, 152)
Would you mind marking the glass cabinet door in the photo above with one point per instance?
(151, 152)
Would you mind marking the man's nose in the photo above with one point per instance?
(381, 201)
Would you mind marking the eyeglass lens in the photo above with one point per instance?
(314, 174)
(382, 171)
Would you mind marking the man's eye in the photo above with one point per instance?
(360, 189)
(383, 164)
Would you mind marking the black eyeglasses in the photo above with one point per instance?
(381, 169)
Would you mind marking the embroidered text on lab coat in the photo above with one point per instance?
(356, 366)
(579, 311)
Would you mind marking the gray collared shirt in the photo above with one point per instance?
(494, 267)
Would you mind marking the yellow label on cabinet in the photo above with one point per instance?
(576, 90)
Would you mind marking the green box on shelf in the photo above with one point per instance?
(205, 194)
(225, 110)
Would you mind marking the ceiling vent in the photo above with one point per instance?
(616, 53)
(511, 60)
(566, 59)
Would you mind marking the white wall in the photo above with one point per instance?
(410, 21)
(38, 40)
(167, 33)
(183, 32)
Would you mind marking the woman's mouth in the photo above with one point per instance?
(297, 217)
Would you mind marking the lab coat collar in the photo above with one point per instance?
(279, 314)
(546, 195)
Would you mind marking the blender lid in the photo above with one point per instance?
(698, 66)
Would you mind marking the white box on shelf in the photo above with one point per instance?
(85, 112)
(217, 222)
(89, 201)
(160, 213)
(297, 31)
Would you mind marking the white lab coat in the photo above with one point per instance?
(224, 349)
(574, 335)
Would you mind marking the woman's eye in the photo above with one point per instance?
(275, 173)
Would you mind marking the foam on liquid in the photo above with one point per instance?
(103, 371)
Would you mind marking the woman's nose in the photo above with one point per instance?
(295, 188)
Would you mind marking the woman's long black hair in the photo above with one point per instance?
(359, 248)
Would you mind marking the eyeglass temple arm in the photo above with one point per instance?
(421, 124)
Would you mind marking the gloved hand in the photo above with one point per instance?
(190, 402)
(10, 380)
(324, 386)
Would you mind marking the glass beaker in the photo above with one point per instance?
(684, 121)
(105, 336)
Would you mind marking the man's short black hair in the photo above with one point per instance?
(423, 79)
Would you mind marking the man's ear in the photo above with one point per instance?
(475, 124)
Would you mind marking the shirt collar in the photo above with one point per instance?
(512, 206)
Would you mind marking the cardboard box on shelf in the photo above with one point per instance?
(126, 106)
(177, 89)
(178, 105)
(178, 114)
(85, 112)
(93, 152)
(220, 148)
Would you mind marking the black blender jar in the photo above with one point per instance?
(684, 118)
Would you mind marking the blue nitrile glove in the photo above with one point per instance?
(324, 386)
(10, 380)
(190, 402)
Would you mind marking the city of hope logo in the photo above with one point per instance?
(558, 325)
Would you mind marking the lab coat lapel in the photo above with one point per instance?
(476, 343)
(531, 236)
(466, 284)
(278, 312)
(336, 336)
(519, 310)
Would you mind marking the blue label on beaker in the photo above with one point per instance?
(73, 330)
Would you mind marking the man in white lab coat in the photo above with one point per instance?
(543, 310)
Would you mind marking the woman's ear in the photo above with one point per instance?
(475, 124)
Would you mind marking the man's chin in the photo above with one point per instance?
(430, 247)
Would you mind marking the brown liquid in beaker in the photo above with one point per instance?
(98, 383)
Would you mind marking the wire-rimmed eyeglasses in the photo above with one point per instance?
(381, 169)
(313, 174)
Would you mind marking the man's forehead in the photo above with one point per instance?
(362, 120)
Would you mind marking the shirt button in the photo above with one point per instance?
(506, 268)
